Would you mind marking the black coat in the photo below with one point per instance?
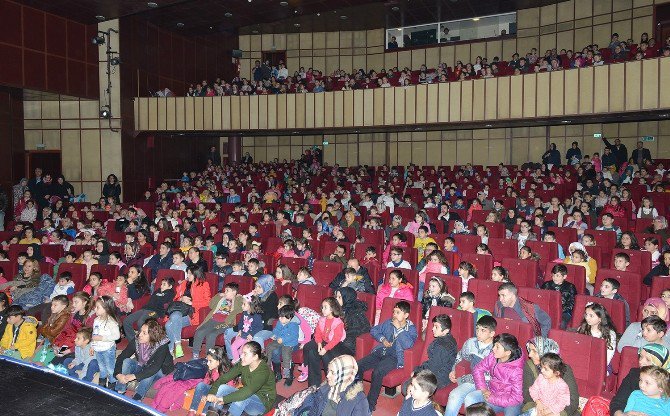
(367, 281)
(354, 315)
(441, 357)
(629, 384)
(646, 154)
(160, 360)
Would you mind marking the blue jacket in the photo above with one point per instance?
(289, 333)
(353, 402)
(404, 340)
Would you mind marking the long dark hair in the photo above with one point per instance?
(219, 354)
(107, 303)
(606, 326)
(141, 284)
(509, 343)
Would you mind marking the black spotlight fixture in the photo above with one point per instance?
(115, 61)
(98, 40)
(105, 112)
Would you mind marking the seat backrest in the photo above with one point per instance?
(482, 262)
(55, 251)
(548, 300)
(658, 285)
(548, 251)
(467, 243)
(597, 254)
(589, 368)
(328, 247)
(78, 272)
(107, 271)
(415, 310)
(453, 283)
(630, 289)
(312, 296)
(245, 283)
(523, 273)
(604, 239)
(628, 359)
(373, 236)
(564, 236)
(325, 271)
(462, 324)
(503, 247)
(486, 293)
(177, 275)
(523, 331)
(576, 275)
(615, 308)
(640, 261)
(294, 263)
(370, 301)
(213, 281)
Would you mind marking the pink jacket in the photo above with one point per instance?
(170, 393)
(404, 292)
(305, 328)
(506, 384)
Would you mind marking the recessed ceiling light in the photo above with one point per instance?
(100, 17)
(283, 3)
(343, 17)
(211, 27)
(255, 32)
(395, 8)
(180, 25)
(152, 4)
(228, 14)
(318, 14)
(296, 24)
(475, 19)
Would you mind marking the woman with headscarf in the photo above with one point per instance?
(265, 290)
(131, 254)
(632, 337)
(349, 221)
(101, 252)
(650, 355)
(537, 347)
(340, 395)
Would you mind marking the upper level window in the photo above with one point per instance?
(451, 31)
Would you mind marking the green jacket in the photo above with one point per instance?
(260, 382)
(215, 304)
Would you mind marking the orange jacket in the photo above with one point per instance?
(200, 297)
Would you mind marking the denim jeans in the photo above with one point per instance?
(174, 325)
(422, 286)
(228, 336)
(262, 336)
(201, 391)
(106, 361)
(132, 366)
(2, 221)
(90, 370)
(477, 397)
(251, 406)
(456, 398)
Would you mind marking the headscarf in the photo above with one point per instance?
(578, 246)
(349, 218)
(267, 283)
(344, 368)
(543, 345)
(349, 299)
(660, 307)
(660, 356)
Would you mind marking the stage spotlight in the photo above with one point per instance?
(115, 61)
(98, 40)
(105, 112)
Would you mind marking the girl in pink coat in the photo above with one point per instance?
(396, 287)
(503, 392)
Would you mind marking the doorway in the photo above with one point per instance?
(662, 16)
(275, 57)
(48, 160)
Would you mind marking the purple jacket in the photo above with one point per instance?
(506, 384)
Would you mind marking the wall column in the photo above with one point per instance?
(12, 163)
(234, 149)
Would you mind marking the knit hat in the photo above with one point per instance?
(660, 356)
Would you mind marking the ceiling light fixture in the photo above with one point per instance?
(98, 40)
(180, 25)
(395, 8)
(100, 17)
(475, 19)
(255, 32)
(105, 112)
(152, 4)
(296, 24)
(318, 14)
(228, 14)
(343, 17)
(115, 61)
(283, 3)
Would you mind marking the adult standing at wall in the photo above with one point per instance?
(619, 151)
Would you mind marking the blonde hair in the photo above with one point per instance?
(661, 376)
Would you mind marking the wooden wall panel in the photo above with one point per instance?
(245, 112)
(664, 79)
(433, 102)
(378, 119)
(171, 122)
(199, 113)
(272, 111)
(601, 85)
(369, 106)
(491, 99)
(616, 91)
(634, 78)
(299, 110)
(207, 113)
(478, 99)
(421, 97)
(290, 111)
(328, 109)
(338, 108)
(557, 88)
(466, 100)
(410, 106)
(543, 94)
(516, 104)
(650, 90)
(389, 106)
(319, 110)
(529, 95)
(226, 117)
(189, 113)
(455, 102)
(399, 101)
(217, 119)
(585, 90)
(503, 97)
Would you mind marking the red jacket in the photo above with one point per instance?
(404, 292)
(200, 297)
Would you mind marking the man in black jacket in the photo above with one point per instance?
(441, 353)
(160, 261)
(360, 270)
(619, 150)
(641, 155)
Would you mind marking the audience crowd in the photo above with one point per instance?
(500, 289)
(268, 79)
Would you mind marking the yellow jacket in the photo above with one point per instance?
(26, 340)
(591, 267)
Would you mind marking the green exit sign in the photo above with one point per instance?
(648, 138)
(325, 142)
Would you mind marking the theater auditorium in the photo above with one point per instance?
(344, 208)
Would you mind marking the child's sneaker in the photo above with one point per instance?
(303, 373)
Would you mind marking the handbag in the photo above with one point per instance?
(178, 306)
(190, 370)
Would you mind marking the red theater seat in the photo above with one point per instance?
(615, 308)
(312, 296)
(548, 300)
(589, 368)
(576, 276)
(482, 262)
(78, 272)
(325, 271)
(503, 247)
(523, 273)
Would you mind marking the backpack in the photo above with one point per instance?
(291, 405)
(190, 370)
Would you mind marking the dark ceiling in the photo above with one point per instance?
(270, 16)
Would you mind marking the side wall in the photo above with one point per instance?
(571, 24)
(481, 146)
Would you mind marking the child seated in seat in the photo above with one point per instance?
(285, 339)
(621, 262)
(567, 290)
(466, 302)
(652, 330)
(549, 391)
(83, 365)
(609, 289)
(249, 323)
(19, 344)
(653, 397)
(421, 388)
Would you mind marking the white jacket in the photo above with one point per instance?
(109, 330)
